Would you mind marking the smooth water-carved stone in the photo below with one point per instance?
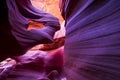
(92, 39)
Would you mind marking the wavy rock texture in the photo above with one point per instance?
(18, 16)
(15, 16)
(40, 65)
(92, 46)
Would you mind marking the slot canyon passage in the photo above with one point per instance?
(88, 48)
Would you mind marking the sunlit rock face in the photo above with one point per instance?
(50, 6)
(92, 46)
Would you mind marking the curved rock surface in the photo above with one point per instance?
(92, 46)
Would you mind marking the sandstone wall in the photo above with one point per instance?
(50, 6)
